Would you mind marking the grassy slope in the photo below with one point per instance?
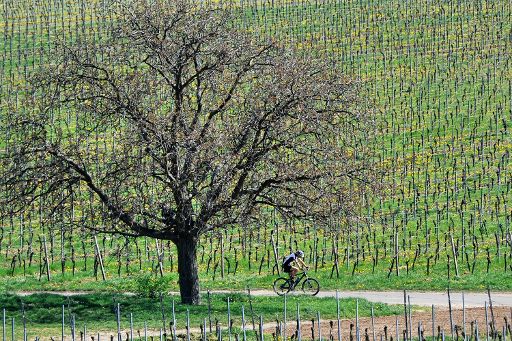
(363, 279)
(439, 73)
(97, 312)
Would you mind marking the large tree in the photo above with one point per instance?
(175, 123)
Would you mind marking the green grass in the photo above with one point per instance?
(43, 312)
(363, 279)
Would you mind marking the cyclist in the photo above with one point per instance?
(296, 259)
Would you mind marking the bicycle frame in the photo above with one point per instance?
(299, 279)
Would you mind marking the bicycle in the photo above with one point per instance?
(284, 285)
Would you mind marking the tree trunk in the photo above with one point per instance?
(187, 270)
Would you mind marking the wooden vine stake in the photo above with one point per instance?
(100, 259)
(159, 257)
(454, 256)
(221, 257)
(48, 276)
(275, 252)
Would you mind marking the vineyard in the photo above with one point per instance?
(438, 74)
(243, 316)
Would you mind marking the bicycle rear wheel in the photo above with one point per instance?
(310, 286)
(281, 286)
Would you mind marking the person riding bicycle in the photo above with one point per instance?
(293, 263)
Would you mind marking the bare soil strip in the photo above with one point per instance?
(386, 326)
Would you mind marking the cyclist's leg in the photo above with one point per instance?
(293, 272)
(288, 270)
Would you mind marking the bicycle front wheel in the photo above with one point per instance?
(310, 286)
(281, 286)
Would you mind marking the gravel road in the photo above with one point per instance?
(421, 298)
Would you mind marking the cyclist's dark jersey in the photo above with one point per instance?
(287, 262)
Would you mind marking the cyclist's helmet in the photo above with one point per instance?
(299, 253)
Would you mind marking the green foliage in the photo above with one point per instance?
(150, 285)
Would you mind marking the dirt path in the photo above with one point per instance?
(420, 298)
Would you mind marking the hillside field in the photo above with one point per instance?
(438, 76)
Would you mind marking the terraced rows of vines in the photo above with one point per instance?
(437, 73)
